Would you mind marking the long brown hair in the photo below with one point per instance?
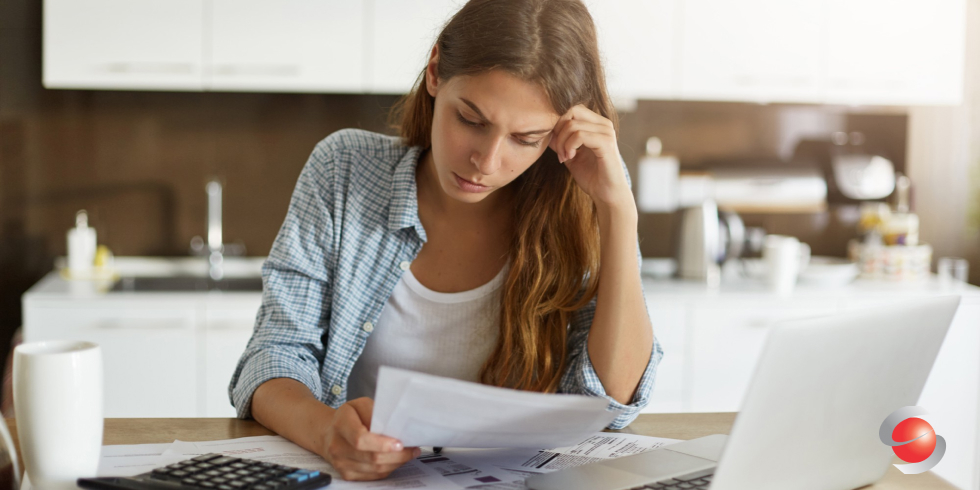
(555, 250)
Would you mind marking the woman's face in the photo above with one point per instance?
(487, 129)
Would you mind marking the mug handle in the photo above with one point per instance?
(804, 256)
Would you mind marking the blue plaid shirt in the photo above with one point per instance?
(350, 233)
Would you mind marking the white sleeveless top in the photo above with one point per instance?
(445, 334)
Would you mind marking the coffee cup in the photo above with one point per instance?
(785, 256)
(58, 401)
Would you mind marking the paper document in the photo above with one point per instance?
(453, 469)
(424, 410)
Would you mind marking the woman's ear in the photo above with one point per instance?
(432, 72)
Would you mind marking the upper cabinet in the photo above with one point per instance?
(637, 45)
(286, 45)
(888, 51)
(758, 51)
(123, 44)
(901, 52)
(402, 34)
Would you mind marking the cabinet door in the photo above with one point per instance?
(895, 51)
(727, 339)
(756, 51)
(149, 353)
(123, 44)
(226, 335)
(636, 40)
(286, 45)
(402, 35)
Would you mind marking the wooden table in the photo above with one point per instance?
(675, 426)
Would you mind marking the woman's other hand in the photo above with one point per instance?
(356, 452)
(586, 143)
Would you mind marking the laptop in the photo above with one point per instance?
(811, 415)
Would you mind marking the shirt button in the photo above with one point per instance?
(368, 327)
(405, 265)
(336, 390)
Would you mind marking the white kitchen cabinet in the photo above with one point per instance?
(149, 350)
(123, 44)
(227, 331)
(726, 339)
(286, 45)
(895, 51)
(669, 328)
(402, 33)
(756, 51)
(637, 44)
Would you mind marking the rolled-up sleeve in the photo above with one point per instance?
(580, 376)
(289, 328)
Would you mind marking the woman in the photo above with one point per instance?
(495, 241)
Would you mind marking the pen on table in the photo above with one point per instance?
(437, 450)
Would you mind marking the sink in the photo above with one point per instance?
(187, 283)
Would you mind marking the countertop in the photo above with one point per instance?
(678, 426)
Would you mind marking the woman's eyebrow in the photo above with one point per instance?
(480, 114)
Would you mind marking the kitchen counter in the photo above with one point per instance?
(55, 286)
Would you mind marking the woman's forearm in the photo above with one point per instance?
(286, 407)
(621, 337)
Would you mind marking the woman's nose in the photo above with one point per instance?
(487, 161)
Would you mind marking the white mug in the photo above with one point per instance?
(58, 402)
(785, 256)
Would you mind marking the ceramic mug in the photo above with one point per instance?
(785, 256)
(58, 401)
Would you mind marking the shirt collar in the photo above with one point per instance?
(404, 210)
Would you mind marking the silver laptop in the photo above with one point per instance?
(810, 419)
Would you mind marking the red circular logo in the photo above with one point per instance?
(921, 447)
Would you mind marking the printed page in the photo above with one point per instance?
(426, 410)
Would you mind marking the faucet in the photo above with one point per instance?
(215, 240)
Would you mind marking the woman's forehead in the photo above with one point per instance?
(497, 94)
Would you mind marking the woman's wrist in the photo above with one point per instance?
(620, 211)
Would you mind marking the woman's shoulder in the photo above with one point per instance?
(348, 146)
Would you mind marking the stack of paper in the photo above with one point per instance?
(424, 410)
(453, 469)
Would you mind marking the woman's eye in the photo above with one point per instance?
(467, 121)
(534, 144)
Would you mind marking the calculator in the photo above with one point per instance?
(215, 472)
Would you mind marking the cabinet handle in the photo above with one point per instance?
(256, 70)
(124, 67)
(118, 324)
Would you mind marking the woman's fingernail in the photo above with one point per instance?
(397, 446)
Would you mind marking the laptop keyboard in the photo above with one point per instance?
(690, 481)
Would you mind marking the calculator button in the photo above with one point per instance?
(238, 465)
(206, 457)
(179, 473)
(226, 469)
(200, 476)
(238, 484)
(262, 487)
(219, 480)
(224, 460)
(243, 472)
(207, 484)
(250, 480)
(225, 487)
(189, 481)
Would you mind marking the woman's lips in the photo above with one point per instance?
(468, 186)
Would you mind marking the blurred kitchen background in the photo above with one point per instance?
(128, 108)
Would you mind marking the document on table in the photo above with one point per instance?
(424, 410)
(453, 469)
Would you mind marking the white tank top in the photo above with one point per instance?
(445, 334)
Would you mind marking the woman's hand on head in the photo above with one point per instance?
(356, 452)
(586, 143)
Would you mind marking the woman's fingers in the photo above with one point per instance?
(580, 133)
(579, 119)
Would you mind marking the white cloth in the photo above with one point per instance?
(445, 334)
